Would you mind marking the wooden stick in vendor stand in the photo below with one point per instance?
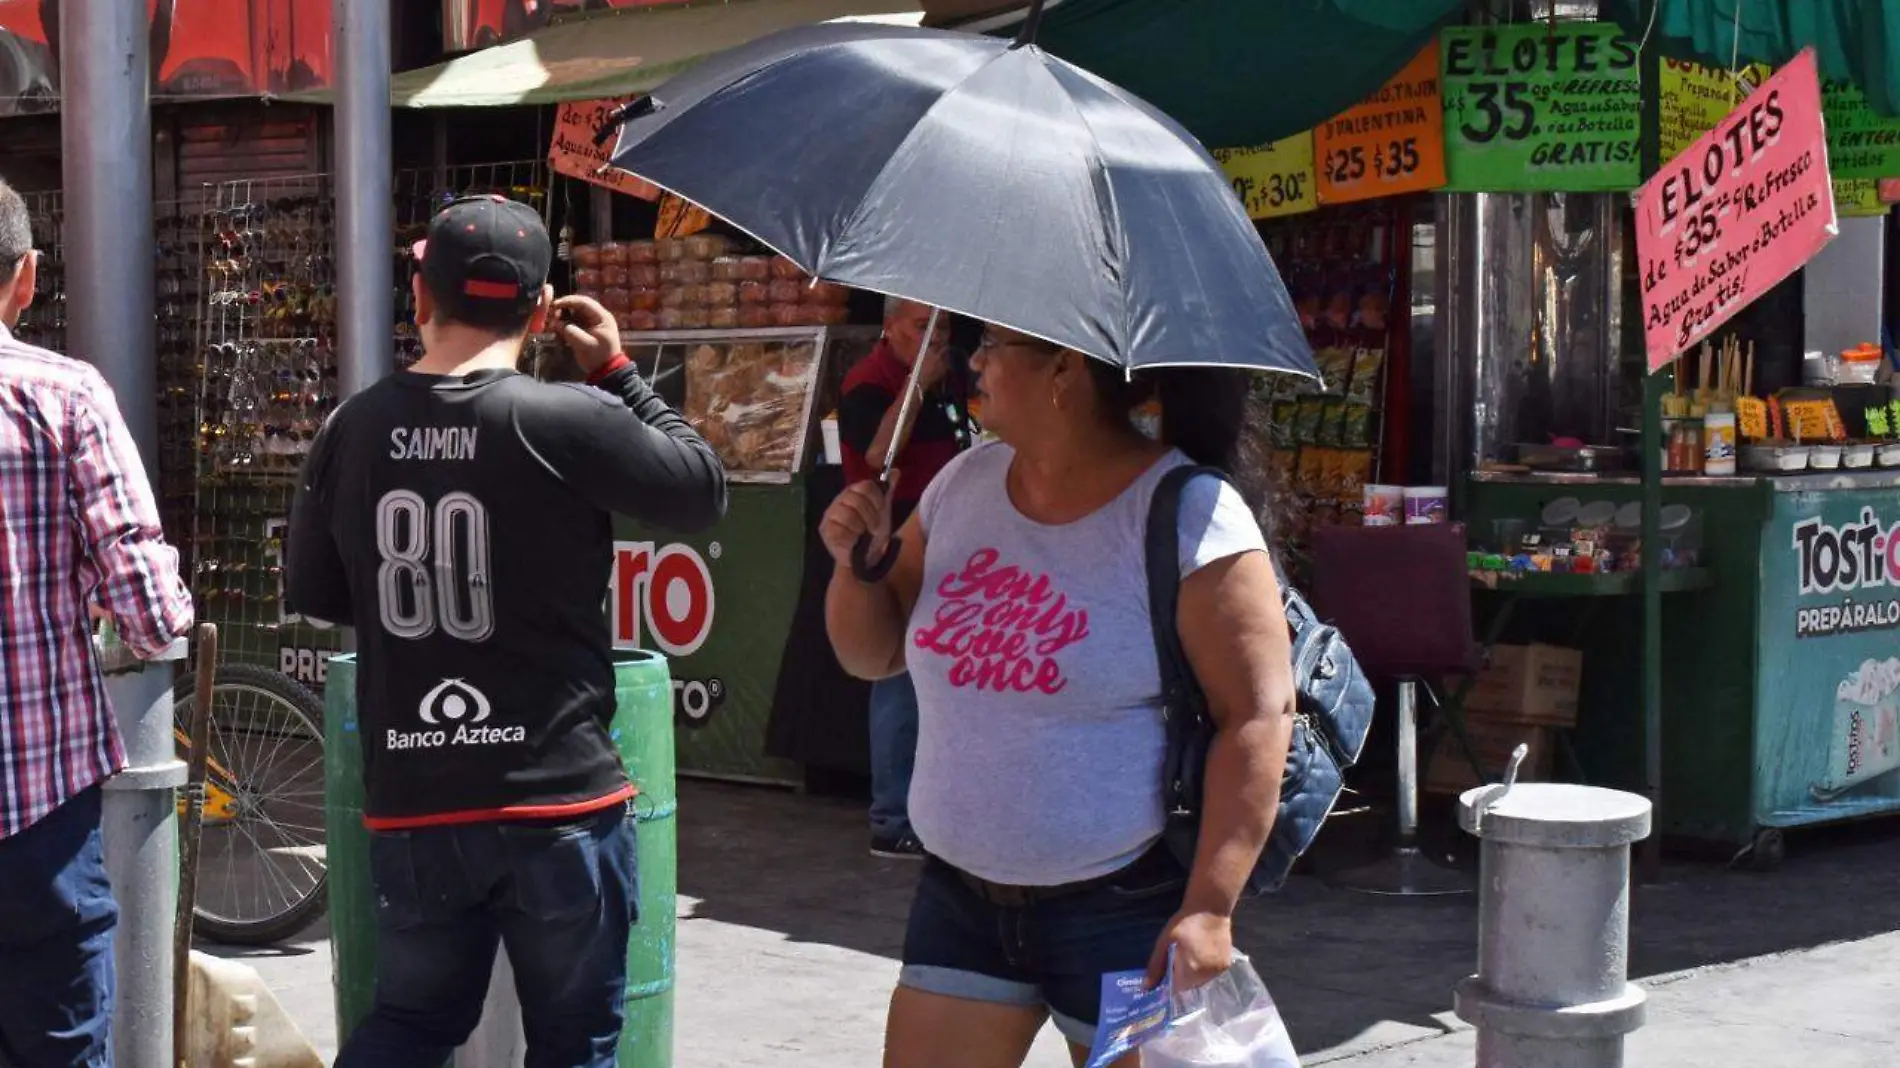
(199, 737)
(861, 563)
(1748, 375)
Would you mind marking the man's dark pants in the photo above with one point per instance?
(562, 899)
(57, 919)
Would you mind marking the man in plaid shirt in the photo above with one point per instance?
(78, 527)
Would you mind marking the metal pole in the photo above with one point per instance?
(1649, 143)
(1408, 763)
(365, 193)
(1552, 989)
(106, 152)
(1407, 871)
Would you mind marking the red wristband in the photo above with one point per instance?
(614, 363)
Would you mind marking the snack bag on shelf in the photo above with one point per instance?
(1355, 470)
(1367, 365)
(1310, 472)
(1355, 426)
(1335, 368)
(1330, 413)
(1306, 420)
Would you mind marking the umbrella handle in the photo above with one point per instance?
(861, 564)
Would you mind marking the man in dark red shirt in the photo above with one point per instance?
(867, 418)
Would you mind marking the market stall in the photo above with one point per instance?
(751, 352)
(1728, 575)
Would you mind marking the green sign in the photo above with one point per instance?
(719, 605)
(1827, 739)
(1861, 143)
(1541, 107)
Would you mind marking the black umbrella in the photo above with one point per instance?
(979, 176)
(976, 175)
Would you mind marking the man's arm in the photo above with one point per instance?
(628, 453)
(315, 584)
(140, 585)
(867, 417)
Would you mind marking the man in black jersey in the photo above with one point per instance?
(457, 515)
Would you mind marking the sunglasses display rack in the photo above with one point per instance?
(179, 331)
(422, 192)
(44, 323)
(176, 291)
(267, 380)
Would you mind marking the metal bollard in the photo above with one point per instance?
(1552, 987)
(139, 828)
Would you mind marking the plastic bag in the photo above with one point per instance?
(1229, 1023)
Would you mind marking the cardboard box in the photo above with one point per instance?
(1450, 773)
(1529, 684)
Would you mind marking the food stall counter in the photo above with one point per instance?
(1781, 643)
(722, 605)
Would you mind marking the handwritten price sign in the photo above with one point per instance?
(574, 153)
(1273, 179)
(1539, 107)
(1859, 197)
(1742, 209)
(1390, 143)
(1861, 143)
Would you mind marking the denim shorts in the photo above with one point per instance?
(1051, 953)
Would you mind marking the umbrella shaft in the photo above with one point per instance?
(900, 434)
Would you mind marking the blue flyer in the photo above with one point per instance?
(1131, 1013)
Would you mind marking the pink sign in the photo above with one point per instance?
(1740, 210)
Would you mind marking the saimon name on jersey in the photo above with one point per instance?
(662, 598)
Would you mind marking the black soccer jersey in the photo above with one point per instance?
(461, 524)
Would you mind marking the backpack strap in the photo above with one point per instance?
(1183, 706)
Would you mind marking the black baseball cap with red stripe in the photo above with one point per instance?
(485, 261)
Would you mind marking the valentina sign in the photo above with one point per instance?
(1734, 214)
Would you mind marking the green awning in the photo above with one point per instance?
(1855, 39)
(1234, 72)
(613, 54)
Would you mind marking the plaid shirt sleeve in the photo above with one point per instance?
(125, 545)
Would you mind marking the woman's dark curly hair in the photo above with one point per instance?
(1202, 408)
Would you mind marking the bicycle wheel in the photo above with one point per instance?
(261, 865)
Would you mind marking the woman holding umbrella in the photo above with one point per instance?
(1019, 605)
(988, 178)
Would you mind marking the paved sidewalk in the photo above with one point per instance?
(789, 936)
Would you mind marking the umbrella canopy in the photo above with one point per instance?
(1235, 72)
(1854, 39)
(984, 178)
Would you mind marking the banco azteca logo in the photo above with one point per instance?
(453, 701)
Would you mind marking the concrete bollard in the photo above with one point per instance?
(1552, 987)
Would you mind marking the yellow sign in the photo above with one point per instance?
(1693, 97)
(1390, 143)
(679, 217)
(1274, 179)
(1858, 197)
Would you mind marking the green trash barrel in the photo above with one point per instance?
(643, 732)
